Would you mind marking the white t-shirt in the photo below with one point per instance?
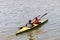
(29, 25)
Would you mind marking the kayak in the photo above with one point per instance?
(25, 29)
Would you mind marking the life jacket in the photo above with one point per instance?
(36, 21)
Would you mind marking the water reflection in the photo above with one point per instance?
(32, 34)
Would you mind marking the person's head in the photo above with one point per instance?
(36, 18)
(29, 21)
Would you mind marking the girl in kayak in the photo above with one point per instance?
(36, 21)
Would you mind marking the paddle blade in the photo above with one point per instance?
(43, 15)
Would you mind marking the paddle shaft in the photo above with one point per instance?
(42, 16)
(37, 16)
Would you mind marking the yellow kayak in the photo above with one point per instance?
(25, 29)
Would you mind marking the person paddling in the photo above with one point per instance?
(36, 21)
(30, 24)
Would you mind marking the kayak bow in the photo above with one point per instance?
(25, 29)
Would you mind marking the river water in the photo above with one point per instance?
(16, 13)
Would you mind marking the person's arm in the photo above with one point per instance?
(32, 24)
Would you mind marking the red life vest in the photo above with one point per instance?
(36, 21)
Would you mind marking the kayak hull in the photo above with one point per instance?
(39, 25)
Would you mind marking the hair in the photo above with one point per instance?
(35, 17)
(29, 20)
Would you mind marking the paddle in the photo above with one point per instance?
(43, 15)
